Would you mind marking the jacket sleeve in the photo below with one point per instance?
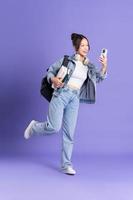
(53, 69)
(100, 76)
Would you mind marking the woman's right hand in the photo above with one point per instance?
(57, 82)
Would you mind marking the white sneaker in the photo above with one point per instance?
(69, 170)
(28, 130)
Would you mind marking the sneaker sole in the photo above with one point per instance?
(68, 173)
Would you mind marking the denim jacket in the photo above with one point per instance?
(88, 89)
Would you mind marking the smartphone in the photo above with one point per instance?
(104, 52)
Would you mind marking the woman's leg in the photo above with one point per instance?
(54, 119)
(69, 123)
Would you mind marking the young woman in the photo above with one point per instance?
(64, 105)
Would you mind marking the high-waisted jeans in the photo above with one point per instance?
(63, 112)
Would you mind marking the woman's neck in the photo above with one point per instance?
(82, 58)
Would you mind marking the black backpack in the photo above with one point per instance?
(46, 90)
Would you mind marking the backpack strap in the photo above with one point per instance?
(64, 62)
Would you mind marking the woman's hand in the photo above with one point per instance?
(57, 82)
(103, 61)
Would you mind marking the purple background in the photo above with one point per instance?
(33, 35)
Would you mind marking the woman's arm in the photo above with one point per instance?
(102, 73)
(53, 69)
(103, 61)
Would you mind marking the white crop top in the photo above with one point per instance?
(79, 75)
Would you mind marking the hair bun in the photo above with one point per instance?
(76, 40)
(74, 36)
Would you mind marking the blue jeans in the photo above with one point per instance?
(63, 111)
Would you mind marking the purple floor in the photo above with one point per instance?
(37, 177)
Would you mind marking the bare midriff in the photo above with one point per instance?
(72, 86)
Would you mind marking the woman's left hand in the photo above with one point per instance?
(103, 61)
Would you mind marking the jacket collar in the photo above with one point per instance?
(72, 58)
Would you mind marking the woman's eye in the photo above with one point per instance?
(82, 45)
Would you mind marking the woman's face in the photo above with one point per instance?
(83, 48)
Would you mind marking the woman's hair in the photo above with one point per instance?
(76, 40)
